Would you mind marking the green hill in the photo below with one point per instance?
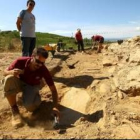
(10, 40)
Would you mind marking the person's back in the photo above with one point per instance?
(97, 38)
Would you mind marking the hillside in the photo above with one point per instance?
(99, 97)
(10, 40)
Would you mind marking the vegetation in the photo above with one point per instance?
(10, 39)
(7, 40)
(46, 38)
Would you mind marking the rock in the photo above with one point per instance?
(105, 88)
(135, 57)
(113, 120)
(125, 121)
(112, 70)
(113, 88)
(107, 62)
(72, 138)
(75, 99)
(112, 113)
(120, 95)
(113, 135)
(127, 80)
(95, 83)
(82, 119)
(116, 82)
(133, 75)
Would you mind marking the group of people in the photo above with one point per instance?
(25, 73)
(95, 39)
(26, 27)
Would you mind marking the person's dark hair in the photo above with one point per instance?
(31, 1)
(40, 51)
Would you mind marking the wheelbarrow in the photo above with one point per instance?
(51, 48)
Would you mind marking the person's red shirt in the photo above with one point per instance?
(78, 36)
(97, 38)
(31, 77)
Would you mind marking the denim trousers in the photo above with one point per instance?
(28, 45)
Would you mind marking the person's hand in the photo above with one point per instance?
(56, 112)
(17, 72)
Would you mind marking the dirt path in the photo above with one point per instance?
(88, 107)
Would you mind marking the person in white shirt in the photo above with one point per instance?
(26, 26)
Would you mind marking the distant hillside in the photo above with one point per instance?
(10, 40)
(47, 38)
(115, 39)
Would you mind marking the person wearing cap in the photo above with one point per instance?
(100, 40)
(26, 26)
(79, 40)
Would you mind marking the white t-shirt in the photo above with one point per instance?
(28, 24)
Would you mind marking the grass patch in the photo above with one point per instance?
(10, 40)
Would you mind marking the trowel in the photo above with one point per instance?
(72, 66)
(56, 122)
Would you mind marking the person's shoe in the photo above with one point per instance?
(16, 119)
(83, 52)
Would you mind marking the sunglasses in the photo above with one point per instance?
(39, 62)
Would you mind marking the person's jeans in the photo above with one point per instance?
(28, 45)
(80, 45)
(30, 97)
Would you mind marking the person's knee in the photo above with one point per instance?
(10, 85)
(9, 78)
(31, 108)
(9, 95)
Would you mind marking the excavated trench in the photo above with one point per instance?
(74, 102)
(73, 105)
(91, 106)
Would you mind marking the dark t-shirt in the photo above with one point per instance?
(78, 36)
(97, 38)
(31, 77)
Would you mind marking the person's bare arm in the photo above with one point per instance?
(55, 101)
(14, 72)
(54, 95)
(18, 23)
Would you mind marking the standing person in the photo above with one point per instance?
(60, 45)
(26, 26)
(79, 40)
(100, 40)
(24, 75)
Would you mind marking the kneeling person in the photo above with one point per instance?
(99, 39)
(24, 75)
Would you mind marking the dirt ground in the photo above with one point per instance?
(89, 109)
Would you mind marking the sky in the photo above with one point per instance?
(109, 18)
